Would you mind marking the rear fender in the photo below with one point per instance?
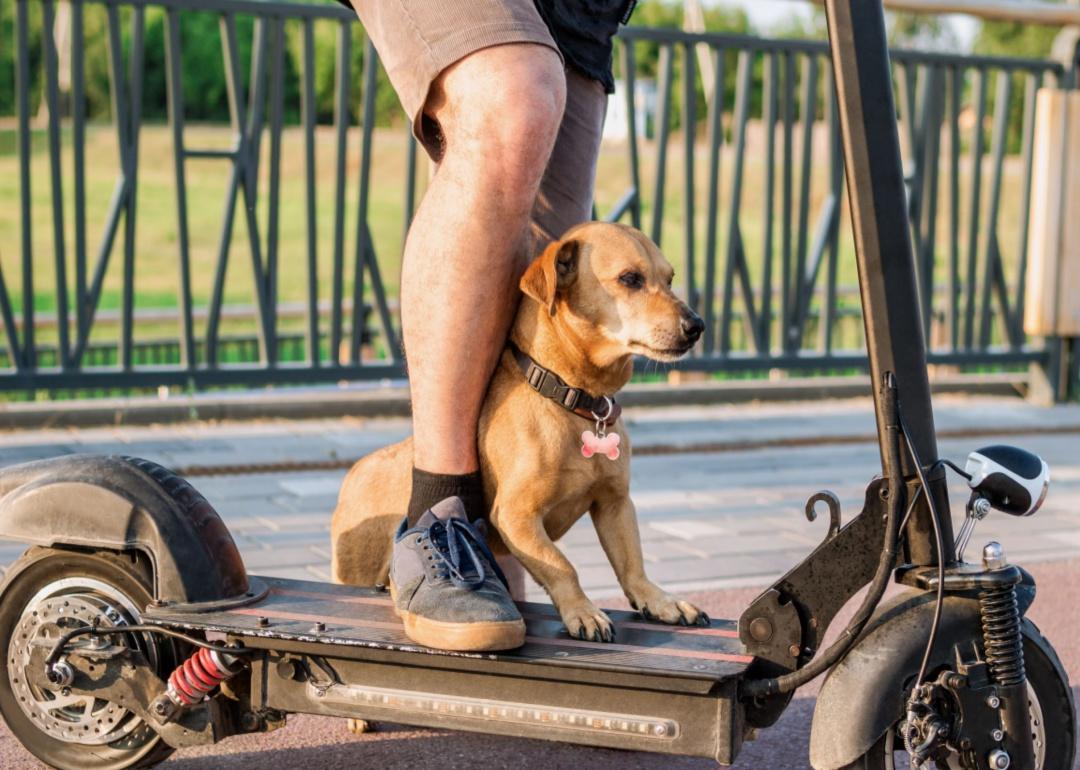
(865, 693)
(124, 503)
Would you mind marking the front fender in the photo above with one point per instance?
(865, 693)
(124, 503)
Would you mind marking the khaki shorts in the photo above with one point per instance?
(418, 39)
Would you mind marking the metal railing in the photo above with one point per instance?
(971, 283)
(757, 227)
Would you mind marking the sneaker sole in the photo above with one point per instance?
(485, 636)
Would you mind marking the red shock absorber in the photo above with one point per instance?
(200, 674)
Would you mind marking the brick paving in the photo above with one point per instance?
(708, 520)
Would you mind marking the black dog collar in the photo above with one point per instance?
(550, 385)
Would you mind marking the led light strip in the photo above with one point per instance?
(496, 710)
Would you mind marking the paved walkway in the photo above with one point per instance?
(725, 517)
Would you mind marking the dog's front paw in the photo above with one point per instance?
(585, 621)
(359, 726)
(656, 604)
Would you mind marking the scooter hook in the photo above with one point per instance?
(833, 502)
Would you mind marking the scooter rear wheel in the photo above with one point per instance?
(1053, 715)
(46, 589)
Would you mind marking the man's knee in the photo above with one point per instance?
(499, 110)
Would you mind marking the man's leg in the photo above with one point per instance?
(498, 111)
(566, 193)
(565, 199)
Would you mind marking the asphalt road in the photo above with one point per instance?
(322, 743)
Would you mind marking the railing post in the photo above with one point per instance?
(1053, 239)
(1066, 49)
(22, 110)
(1070, 348)
(1051, 381)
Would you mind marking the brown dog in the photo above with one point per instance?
(592, 301)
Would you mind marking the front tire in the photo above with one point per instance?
(1052, 708)
(90, 734)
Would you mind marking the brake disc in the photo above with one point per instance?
(56, 711)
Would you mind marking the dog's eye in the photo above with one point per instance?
(632, 280)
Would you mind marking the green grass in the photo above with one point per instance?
(157, 246)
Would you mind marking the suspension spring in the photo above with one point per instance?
(1004, 646)
(200, 674)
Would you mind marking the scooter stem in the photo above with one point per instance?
(891, 311)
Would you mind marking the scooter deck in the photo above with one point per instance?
(363, 618)
(341, 651)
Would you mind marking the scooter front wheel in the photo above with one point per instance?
(51, 590)
(1051, 708)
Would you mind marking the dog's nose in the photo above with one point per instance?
(692, 326)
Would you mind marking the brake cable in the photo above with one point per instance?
(96, 630)
(935, 519)
(788, 682)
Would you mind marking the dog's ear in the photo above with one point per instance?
(553, 270)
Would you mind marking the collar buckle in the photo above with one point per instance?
(570, 398)
(549, 385)
(537, 375)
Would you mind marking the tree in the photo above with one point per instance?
(920, 30)
(1012, 38)
(325, 34)
(8, 54)
(668, 14)
(7, 58)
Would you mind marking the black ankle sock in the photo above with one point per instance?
(430, 488)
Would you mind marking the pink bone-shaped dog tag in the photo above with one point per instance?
(592, 444)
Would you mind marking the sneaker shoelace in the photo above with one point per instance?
(461, 553)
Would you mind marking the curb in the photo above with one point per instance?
(393, 401)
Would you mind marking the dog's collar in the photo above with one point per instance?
(550, 385)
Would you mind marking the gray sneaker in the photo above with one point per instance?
(447, 588)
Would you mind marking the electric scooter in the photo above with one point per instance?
(130, 627)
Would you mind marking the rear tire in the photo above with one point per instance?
(1053, 698)
(82, 573)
